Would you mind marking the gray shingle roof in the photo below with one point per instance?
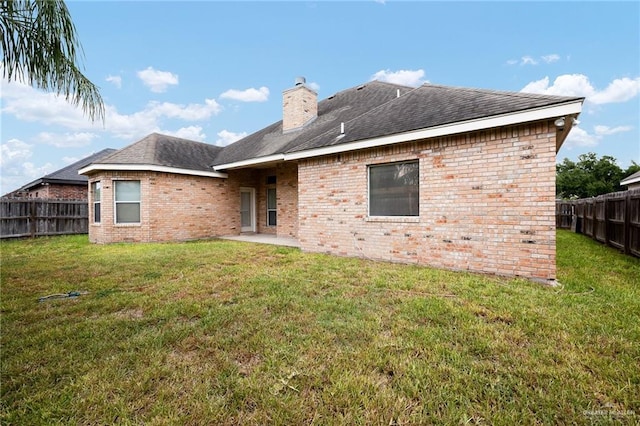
(341, 107)
(374, 110)
(69, 174)
(162, 150)
(368, 111)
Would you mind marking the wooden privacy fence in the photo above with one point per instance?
(612, 219)
(37, 217)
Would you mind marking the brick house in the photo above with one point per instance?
(63, 184)
(454, 178)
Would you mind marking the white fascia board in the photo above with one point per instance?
(150, 168)
(629, 181)
(250, 162)
(445, 130)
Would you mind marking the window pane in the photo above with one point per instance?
(245, 209)
(271, 198)
(271, 218)
(127, 190)
(96, 212)
(96, 191)
(127, 212)
(394, 189)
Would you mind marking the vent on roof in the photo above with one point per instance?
(360, 87)
(300, 80)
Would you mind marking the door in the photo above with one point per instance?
(247, 210)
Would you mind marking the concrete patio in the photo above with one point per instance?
(264, 239)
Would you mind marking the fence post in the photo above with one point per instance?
(627, 223)
(606, 220)
(32, 218)
(594, 218)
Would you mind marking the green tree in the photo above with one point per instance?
(40, 47)
(589, 177)
(633, 168)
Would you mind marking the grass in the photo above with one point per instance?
(220, 332)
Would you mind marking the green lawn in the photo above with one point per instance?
(221, 332)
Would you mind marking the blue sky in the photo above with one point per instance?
(215, 71)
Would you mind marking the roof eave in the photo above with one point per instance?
(149, 168)
(251, 162)
(572, 108)
(566, 109)
(630, 181)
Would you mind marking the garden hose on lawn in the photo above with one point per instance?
(71, 294)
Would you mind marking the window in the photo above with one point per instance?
(96, 195)
(394, 189)
(127, 199)
(271, 207)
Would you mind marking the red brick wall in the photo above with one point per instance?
(486, 204)
(286, 193)
(173, 208)
(59, 192)
(179, 207)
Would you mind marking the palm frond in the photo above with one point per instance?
(40, 47)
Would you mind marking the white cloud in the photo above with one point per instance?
(157, 81)
(564, 85)
(606, 130)
(579, 137)
(191, 112)
(411, 78)
(31, 105)
(530, 60)
(551, 58)
(248, 95)
(619, 90)
(193, 133)
(226, 137)
(14, 151)
(115, 79)
(66, 140)
(16, 170)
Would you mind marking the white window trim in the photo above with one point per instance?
(275, 209)
(115, 204)
(93, 199)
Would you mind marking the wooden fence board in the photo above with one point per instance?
(612, 219)
(29, 217)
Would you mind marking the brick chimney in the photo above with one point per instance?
(299, 106)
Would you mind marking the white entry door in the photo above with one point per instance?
(247, 210)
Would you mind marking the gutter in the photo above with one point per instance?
(150, 168)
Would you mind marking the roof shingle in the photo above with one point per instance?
(163, 150)
(379, 109)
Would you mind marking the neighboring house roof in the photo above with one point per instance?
(376, 111)
(634, 178)
(157, 152)
(69, 175)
